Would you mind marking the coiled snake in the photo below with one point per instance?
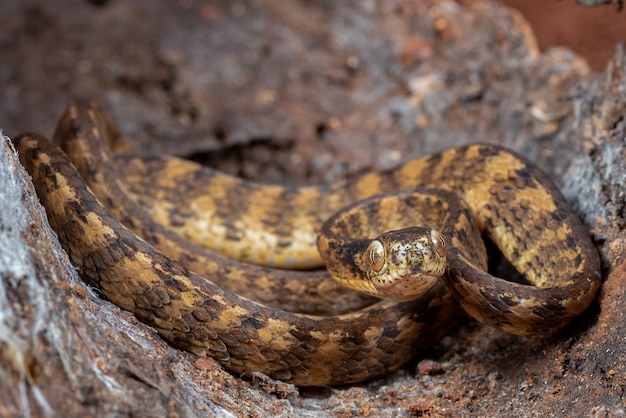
(481, 188)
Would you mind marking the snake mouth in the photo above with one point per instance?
(410, 287)
(416, 270)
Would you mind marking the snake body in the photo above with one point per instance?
(506, 197)
(513, 203)
(87, 135)
(195, 314)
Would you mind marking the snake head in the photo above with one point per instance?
(405, 264)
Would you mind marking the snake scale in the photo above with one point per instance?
(481, 187)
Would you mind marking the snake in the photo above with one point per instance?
(499, 193)
(87, 136)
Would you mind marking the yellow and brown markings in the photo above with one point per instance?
(511, 201)
(405, 262)
(193, 313)
(508, 199)
(305, 292)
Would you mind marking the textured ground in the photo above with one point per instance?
(300, 92)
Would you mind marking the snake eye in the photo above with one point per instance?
(439, 243)
(376, 255)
